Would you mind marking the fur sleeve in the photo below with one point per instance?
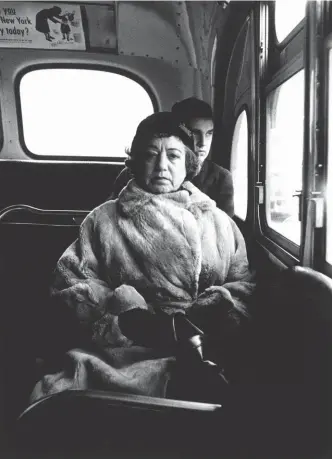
(77, 279)
(79, 283)
(221, 308)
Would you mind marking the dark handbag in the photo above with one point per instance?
(195, 376)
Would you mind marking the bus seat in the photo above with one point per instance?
(31, 242)
(313, 292)
(119, 422)
(293, 324)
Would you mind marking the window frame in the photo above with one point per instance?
(320, 261)
(327, 267)
(316, 140)
(75, 66)
(277, 62)
(280, 45)
(274, 70)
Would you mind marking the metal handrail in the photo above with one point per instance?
(124, 400)
(36, 210)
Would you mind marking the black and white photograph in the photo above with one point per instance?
(166, 229)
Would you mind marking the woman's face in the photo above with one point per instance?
(164, 168)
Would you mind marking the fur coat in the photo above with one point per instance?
(213, 180)
(174, 251)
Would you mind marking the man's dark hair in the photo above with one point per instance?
(191, 108)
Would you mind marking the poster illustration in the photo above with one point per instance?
(41, 25)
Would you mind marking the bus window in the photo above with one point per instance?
(239, 165)
(284, 150)
(80, 112)
(287, 16)
(329, 190)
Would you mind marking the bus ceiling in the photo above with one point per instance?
(181, 33)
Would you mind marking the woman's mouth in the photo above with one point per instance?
(161, 179)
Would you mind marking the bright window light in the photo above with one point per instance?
(287, 15)
(239, 161)
(79, 112)
(284, 156)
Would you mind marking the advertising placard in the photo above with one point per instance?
(41, 25)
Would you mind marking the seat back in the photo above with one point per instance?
(31, 242)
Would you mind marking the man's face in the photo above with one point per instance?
(202, 130)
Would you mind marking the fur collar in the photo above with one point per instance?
(133, 198)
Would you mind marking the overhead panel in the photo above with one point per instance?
(102, 32)
(175, 32)
(167, 26)
(201, 18)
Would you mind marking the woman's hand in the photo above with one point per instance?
(137, 321)
(147, 329)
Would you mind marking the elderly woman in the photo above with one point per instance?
(162, 247)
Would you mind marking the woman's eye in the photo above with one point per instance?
(151, 153)
(173, 153)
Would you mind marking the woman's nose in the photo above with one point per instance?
(162, 161)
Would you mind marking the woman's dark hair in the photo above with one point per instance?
(161, 125)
